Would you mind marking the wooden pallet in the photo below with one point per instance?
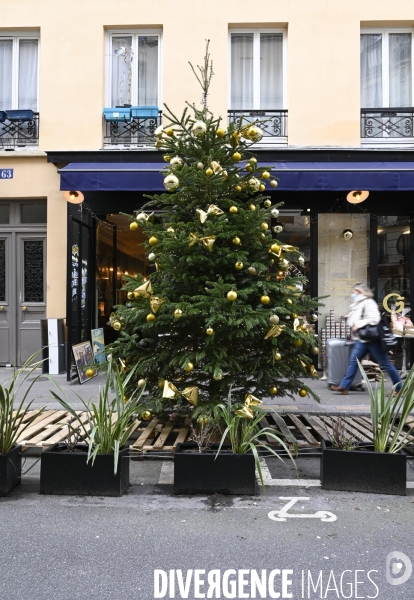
(161, 437)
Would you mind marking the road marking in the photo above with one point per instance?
(282, 514)
(167, 473)
(267, 478)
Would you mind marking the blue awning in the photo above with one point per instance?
(294, 176)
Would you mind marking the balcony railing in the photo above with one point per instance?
(273, 123)
(387, 123)
(19, 129)
(137, 132)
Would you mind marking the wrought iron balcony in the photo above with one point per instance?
(137, 132)
(273, 123)
(387, 123)
(19, 130)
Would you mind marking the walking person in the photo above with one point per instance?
(364, 311)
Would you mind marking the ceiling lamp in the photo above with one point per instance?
(357, 196)
(74, 197)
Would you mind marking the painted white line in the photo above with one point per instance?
(167, 472)
(283, 514)
(410, 485)
(267, 478)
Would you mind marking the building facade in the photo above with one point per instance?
(82, 87)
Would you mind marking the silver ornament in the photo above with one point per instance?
(274, 212)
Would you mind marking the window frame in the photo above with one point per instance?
(385, 31)
(135, 33)
(16, 36)
(256, 64)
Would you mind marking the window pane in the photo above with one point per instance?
(242, 71)
(33, 213)
(28, 61)
(400, 69)
(6, 53)
(271, 70)
(148, 70)
(371, 70)
(4, 214)
(33, 271)
(2, 270)
(121, 70)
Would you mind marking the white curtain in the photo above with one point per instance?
(122, 60)
(6, 55)
(148, 70)
(371, 70)
(400, 69)
(271, 70)
(28, 74)
(242, 71)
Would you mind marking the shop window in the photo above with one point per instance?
(19, 57)
(295, 232)
(386, 68)
(4, 214)
(257, 69)
(133, 68)
(33, 212)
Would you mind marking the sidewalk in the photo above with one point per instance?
(330, 402)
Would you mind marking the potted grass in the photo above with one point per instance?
(94, 460)
(378, 467)
(14, 420)
(227, 467)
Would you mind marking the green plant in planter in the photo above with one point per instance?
(244, 433)
(13, 414)
(389, 413)
(109, 422)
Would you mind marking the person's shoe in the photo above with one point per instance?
(338, 388)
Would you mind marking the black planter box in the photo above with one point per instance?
(68, 473)
(10, 470)
(363, 470)
(202, 473)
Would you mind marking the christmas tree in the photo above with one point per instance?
(224, 306)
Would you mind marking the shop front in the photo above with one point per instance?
(343, 243)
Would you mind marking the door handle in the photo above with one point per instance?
(2, 308)
(24, 308)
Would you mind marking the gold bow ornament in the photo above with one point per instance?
(212, 210)
(246, 411)
(207, 241)
(155, 303)
(144, 217)
(144, 290)
(274, 331)
(276, 250)
(190, 393)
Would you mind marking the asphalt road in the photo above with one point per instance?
(74, 548)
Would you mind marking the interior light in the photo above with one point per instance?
(74, 197)
(357, 196)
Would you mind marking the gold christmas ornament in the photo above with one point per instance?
(161, 383)
(277, 355)
(207, 241)
(150, 317)
(236, 241)
(233, 210)
(250, 400)
(117, 325)
(262, 187)
(238, 188)
(288, 300)
(178, 313)
(90, 372)
(155, 303)
(239, 265)
(244, 412)
(167, 158)
(133, 226)
(189, 367)
(273, 390)
(141, 383)
(199, 128)
(169, 131)
(249, 168)
(274, 319)
(171, 183)
(130, 295)
(251, 207)
(236, 156)
(176, 162)
(144, 290)
(218, 377)
(252, 271)
(293, 316)
(273, 183)
(191, 394)
(267, 203)
(274, 331)
(200, 166)
(283, 264)
(209, 331)
(203, 420)
(170, 230)
(265, 299)
(313, 318)
(275, 248)
(217, 168)
(169, 391)
(262, 236)
(253, 160)
(303, 393)
(143, 217)
(209, 172)
(265, 175)
(298, 343)
(212, 210)
(153, 241)
(220, 132)
(146, 415)
(255, 134)
(315, 350)
(264, 226)
(232, 296)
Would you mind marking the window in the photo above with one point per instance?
(386, 68)
(19, 58)
(133, 68)
(257, 69)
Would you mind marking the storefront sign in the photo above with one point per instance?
(398, 305)
(6, 173)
